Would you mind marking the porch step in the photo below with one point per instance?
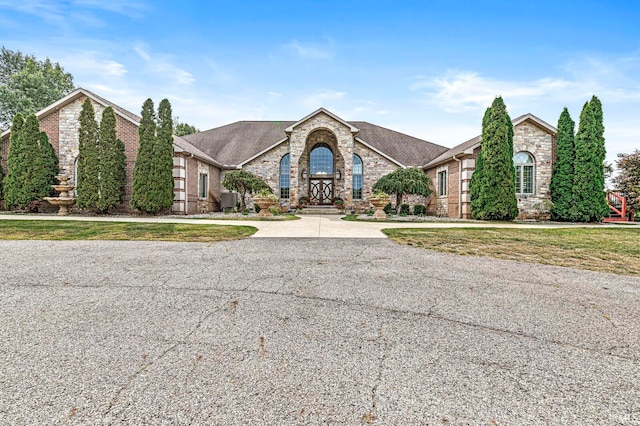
(320, 210)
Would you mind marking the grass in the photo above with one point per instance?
(604, 250)
(77, 230)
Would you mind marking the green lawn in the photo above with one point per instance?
(615, 250)
(79, 230)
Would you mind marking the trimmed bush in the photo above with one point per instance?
(419, 210)
(405, 209)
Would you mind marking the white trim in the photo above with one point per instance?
(538, 121)
(318, 111)
(239, 166)
(377, 151)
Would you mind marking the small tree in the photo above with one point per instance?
(562, 178)
(244, 183)
(628, 179)
(88, 175)
(183, 129)
(50, 160)
(111, 167)
(409, 181)
(493, 194)
(30, 166)
(589, 198)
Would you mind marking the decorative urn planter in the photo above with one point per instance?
(379, 202)
(265, 202)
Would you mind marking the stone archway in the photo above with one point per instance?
(321, 164)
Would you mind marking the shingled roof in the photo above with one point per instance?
(234, 144)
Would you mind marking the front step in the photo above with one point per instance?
(321, 210)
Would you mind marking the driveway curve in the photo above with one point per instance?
(299, 331)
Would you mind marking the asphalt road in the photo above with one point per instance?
(309, 331)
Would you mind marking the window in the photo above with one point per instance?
(357, 177)
(442, 183)
(524, 164)
(321, 160)
(203, 186)
(285, 173)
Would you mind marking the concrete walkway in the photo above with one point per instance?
(321, 226)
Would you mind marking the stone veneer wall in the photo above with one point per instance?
(344, 142)
(267, 166)
(541, 145)
(374, 166)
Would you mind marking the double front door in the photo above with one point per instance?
(321, 191)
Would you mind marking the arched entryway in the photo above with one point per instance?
(321, 174)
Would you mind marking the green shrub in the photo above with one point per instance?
(419, 210)
(388, 209)
(405, 209)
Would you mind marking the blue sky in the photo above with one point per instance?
(426, 68)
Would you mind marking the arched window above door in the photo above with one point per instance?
(321, 161)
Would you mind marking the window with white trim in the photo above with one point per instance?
(203, 186)
(442, 183)
(525, 168)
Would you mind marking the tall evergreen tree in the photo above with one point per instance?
(142, 179)
(87, 180)
(111, 166)
(50, 160)
(562, 178)
(29, 176)
(11, 184)
(589, 198)
(162, 169)
(493, 193)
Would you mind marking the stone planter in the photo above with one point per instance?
(264, 203)
(379, 203)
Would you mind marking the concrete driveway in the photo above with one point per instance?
(309, 331)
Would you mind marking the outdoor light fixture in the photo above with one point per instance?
(338, 174)
(304, 173)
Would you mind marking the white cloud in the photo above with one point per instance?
(89, 62)
(322, 98)
(308, 51)
(163, 65)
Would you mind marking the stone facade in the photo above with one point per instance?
(528, 137)
(541, 145)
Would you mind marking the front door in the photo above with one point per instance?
(321, 191)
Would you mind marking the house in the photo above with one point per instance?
(320, 156)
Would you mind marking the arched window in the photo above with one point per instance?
(357, 177)
(321, 160)
(285, 171)
(524, 164)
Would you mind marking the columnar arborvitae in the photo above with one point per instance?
(49, 159)
(12, 186)
(87, 186)
(142, 179)
(111, 167)
(493, 194)
(589, 198)
(29, 174)
(162, 167)
(562, 179)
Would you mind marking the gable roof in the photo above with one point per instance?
(78, 93)
(352, 129)
(468, 146)
(237, 143)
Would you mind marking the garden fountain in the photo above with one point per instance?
(63, 201)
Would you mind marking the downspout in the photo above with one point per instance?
(459, 186)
